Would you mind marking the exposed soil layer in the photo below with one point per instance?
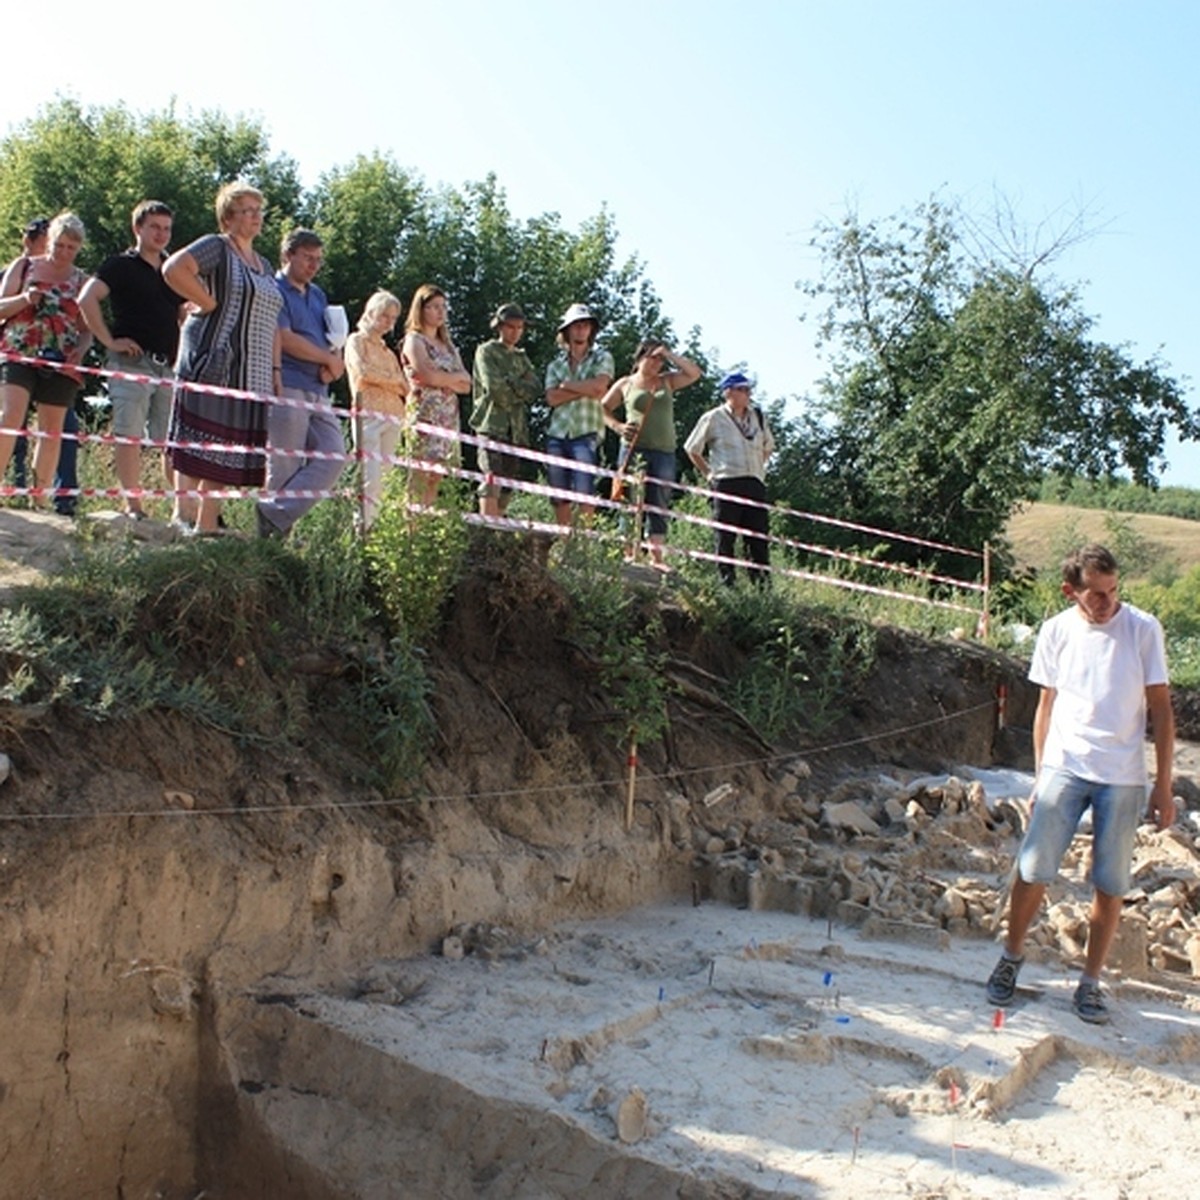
(709, 1052)
(153, 872)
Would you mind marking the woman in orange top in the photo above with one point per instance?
(379, 389)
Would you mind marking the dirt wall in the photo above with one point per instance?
(150, 866)
(106, 968)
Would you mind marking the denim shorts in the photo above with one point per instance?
(583, 449)
(138, 407)
(1061, 799)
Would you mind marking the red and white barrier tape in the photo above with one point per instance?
(446, 470)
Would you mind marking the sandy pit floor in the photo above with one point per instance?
(800, 1059)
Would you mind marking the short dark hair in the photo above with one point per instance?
(299, 239)
(1093, 557)
(646, 347)
(150, 208)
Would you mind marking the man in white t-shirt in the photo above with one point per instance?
(1102, 667)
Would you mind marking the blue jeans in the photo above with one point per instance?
(660, 474)
(1061, 799)
(579, 449)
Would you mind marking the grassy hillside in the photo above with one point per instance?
(1041, 533)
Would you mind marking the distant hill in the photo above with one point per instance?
(1040, 532)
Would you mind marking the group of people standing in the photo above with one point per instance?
(729, 446)
(214, 313)
(186, 332)
(190, 333)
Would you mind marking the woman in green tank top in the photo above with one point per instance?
(647, 396)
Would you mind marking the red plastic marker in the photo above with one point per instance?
(998, 1019)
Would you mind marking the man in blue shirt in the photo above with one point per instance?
(295, 481)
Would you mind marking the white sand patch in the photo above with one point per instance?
(771, 1056)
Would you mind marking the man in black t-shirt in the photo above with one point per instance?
(142, 340)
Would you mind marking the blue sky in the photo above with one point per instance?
(718, 133)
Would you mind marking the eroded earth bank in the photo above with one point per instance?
(225, 972)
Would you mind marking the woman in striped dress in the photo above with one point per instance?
(230, 340)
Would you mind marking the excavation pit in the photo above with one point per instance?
(706, 1051)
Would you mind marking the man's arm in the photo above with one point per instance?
(595, 387)
(1041, 728)
(487, 372)
(768, 437)
(573, 389)
(297, 346)
(1162, 726)
(95, 291)
(696, 444)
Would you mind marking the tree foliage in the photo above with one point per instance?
(100, 162)
(383, 225)
(957, 383)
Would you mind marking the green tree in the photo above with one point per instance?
(957, 383)
(365, 212)
(100, 162)
(383, 226)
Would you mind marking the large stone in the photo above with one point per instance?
(632, 1113)
(1193, 953)
(849, 815)
(954, 795)
(1130, 948)
(951, 904)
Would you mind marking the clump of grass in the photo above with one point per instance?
(622, 629)
(803, 663)
(225, 631)
(415, 559)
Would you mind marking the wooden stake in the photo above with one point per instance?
(633, 747)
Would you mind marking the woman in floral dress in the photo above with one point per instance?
(436, 379)
(42, 320)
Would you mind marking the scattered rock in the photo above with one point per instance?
(725, 791)
(173, 994)
(1193, 953)
(910, 881)
(452, 947)
(632, 1113)
(849, 815)
(951, 904)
